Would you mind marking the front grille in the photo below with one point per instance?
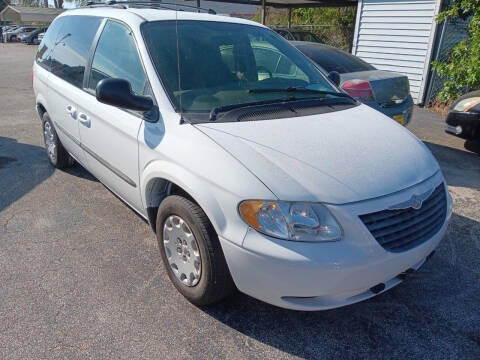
(404, 229)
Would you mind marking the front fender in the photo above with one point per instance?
(218, 203)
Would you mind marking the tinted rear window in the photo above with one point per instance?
(335, 60)
(72, 48)
(48, 42)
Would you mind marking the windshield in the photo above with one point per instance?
(221, 63)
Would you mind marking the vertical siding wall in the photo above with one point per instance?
(396, 35)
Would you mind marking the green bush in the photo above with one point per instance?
(338, 23)
(461, 69)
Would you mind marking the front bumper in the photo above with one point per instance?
(319, 276)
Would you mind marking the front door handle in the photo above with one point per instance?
(71, 111)
(84, 119)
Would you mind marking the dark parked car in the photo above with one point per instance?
(463, 119)
(299, 35)
(31, 38)
(385, 91)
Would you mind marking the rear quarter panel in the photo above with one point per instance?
(40, 85)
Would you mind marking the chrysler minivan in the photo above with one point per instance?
(255, 175)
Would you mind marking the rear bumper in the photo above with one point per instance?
(405, 108)
(465, 125)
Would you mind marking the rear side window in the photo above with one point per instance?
(332, 59)
(48, 43)
(116, 56)
(72, 48)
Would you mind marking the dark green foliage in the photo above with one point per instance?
(461, 69)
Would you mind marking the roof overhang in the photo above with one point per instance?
(20, 14)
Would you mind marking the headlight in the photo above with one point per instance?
(291, 220)
(467, 104)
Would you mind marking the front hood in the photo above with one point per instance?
(337, 157)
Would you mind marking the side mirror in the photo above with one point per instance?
(118, 92)
(335, 77)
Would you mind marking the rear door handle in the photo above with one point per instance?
(71, 111)
(84, 119)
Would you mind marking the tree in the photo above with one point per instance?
(461, 69)
(3, 4)
(333, 25)
(32, 3)
(43, 3)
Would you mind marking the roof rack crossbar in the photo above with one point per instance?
(146, 3)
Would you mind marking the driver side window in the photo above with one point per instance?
(116, 56)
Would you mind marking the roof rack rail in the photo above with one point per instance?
(101, 4)
(146, 3)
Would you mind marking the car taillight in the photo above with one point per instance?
(359, 89)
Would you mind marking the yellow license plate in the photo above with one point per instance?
(399, 118)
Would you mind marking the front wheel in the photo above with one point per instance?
(191, 252)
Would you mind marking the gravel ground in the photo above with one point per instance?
(80, 273)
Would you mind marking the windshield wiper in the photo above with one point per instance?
(215, 111)
(299, 89)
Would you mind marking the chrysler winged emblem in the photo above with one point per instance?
(414, 202)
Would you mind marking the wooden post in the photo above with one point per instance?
(264, 12)
(289, 17)
(354, 27)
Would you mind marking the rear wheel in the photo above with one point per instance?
(57, 155)
(191, 252)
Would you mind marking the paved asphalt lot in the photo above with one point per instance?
(80, 273)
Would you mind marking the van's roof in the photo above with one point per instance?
(149, 14)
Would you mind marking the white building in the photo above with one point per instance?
(402, 36)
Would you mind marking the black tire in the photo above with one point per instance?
(62, 159)
(215, 280)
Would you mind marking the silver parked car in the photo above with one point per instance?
(385, 91)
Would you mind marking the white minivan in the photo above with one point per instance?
(255, 171)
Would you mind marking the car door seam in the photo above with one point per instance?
(102, 161)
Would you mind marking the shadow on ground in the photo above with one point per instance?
(473, 146)
(461, 168)
(433, 315)
(23, 167)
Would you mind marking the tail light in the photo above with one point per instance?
(359, 89)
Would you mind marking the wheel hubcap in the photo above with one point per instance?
(50, 141)
(182, 250)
